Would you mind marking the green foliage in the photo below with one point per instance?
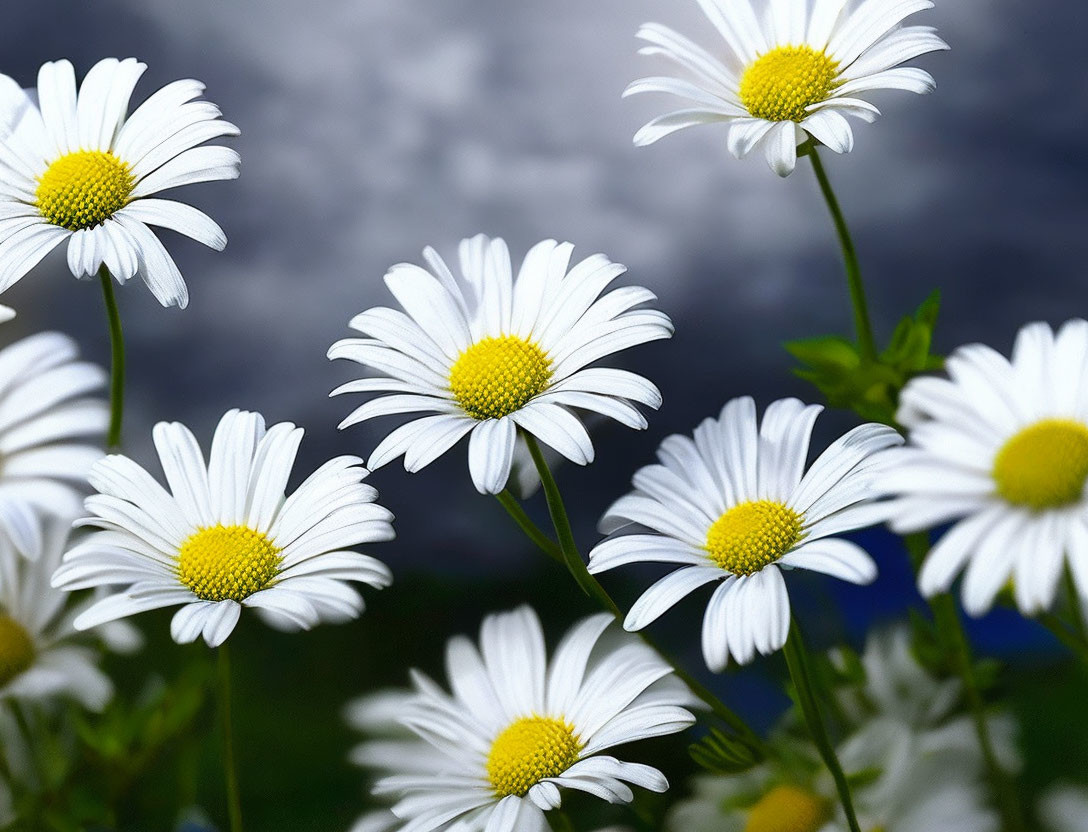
(870, 387)
(722, 753)
(80, 769)
(845, 667)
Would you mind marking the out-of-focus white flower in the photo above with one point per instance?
(1065, 809)
(1001, 447)
(42, 656)
(923, 766)
(51, 424)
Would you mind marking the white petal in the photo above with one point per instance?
(667, 592)
(837, 558)
(780, 147)
(179, 217)
(490, 453)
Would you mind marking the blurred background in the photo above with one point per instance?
(373, 128)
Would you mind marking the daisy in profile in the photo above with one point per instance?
(517, 728)
(51, 427)
(794, 71)
(225, 537)
(76, 168)
(734, 506)
(488, 354)
(42, 656)
(1000, 447)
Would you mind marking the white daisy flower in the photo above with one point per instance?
(392, 748)
(226, 537)
(796, 73)
(910, 718)
(389, 748)
(938, 788)
(915, 757)
(1004, 446)
(50, 425)
(76, 168)
(518, 728)
(734, 505)
(41, 654)
(489, 354)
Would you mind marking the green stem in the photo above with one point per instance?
(797, 661)
(531, 529)
(230, 769)
(950, 627)
(862, 325)
(592, 587)
(117, 362)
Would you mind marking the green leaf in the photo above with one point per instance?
(870, 387)
(723, 754)
(825, 351)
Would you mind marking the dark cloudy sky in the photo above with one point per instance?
(373, 128)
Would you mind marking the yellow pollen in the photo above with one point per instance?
(529, 750)
(221, 562)
(84, 189)
(788, 809)
(496, 376)
(16, 649)
(781, 84)
(1044, 465)
(753, 535)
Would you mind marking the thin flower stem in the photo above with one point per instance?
(531, 529)
(117, 362)
(797, 661)
(592, 587)
(950, 627)
(230, 770)
(862, 324)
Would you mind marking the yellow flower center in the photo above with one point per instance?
(781, 84)
(788, 809)
(753, 535)
(496, 376)
(16, 649)
(529, 750)
(84, 189)
(222, 562)
(1044, 465)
